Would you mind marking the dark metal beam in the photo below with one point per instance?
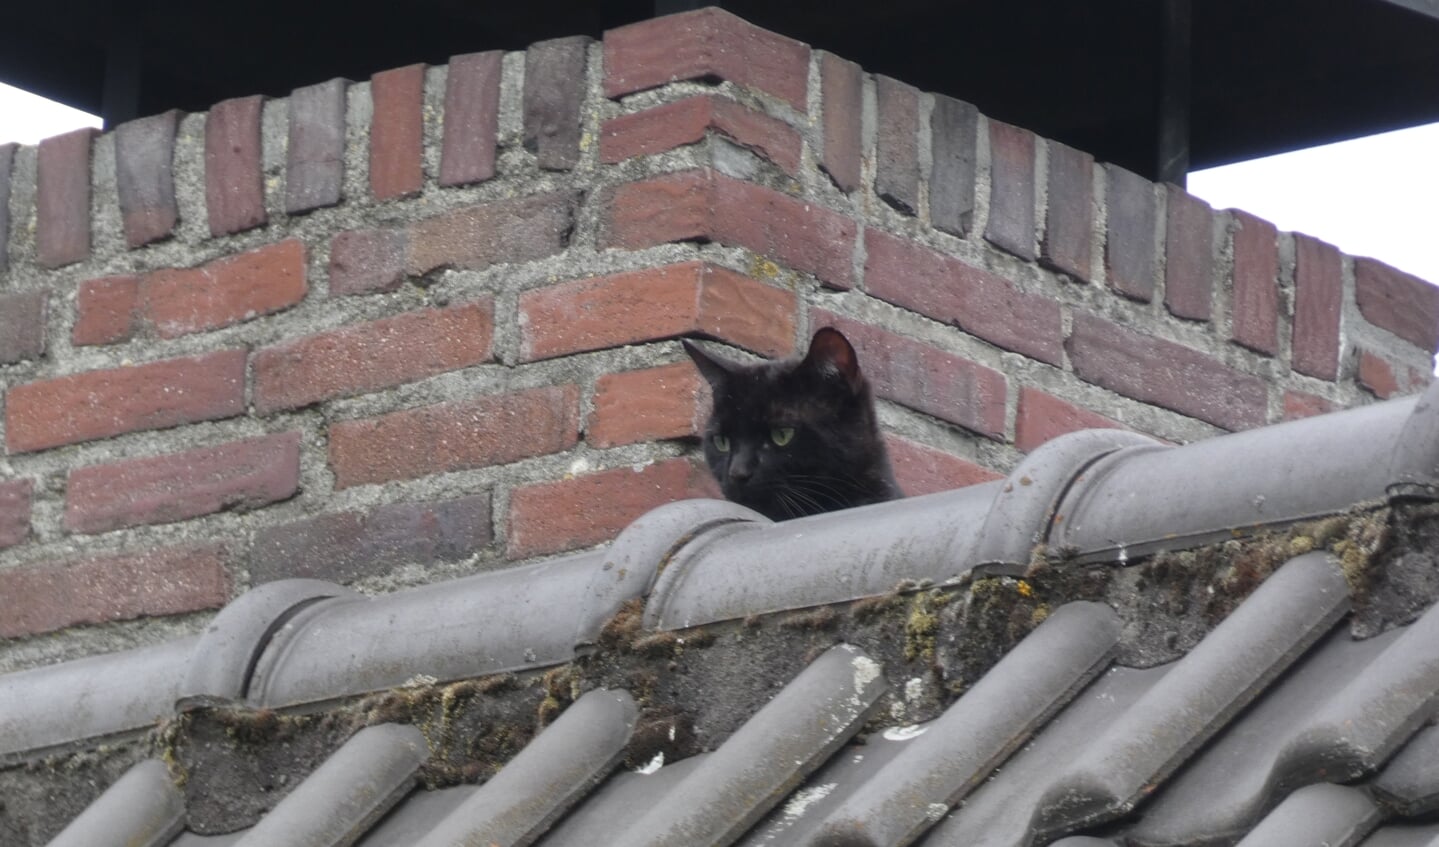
(1172, 136)
(120, 94)
(670, 7)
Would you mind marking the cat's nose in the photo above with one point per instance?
(741, 467)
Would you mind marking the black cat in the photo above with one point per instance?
(794, 437)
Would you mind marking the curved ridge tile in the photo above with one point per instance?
(829, 558)
(604, 815)
(1410, 782)
(143, 808)
(1084, 841)
(1332, 815)
(1414, 464)
(347, 793)
(963, 745)
(554, 770)
(755, 768)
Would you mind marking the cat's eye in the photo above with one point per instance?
(781, 435)
(720, 442)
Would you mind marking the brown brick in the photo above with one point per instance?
(225, 291)
(366, 357)
(1298, 404)
(516, 230)
(551, 517)
(22, 326)
(472, 118)
(397, 132)
(950, 291)
(1189, 256)
(705, 44)
(315, 156)
(648, 405)
(653, 304)
(896, 165)
(1255, 284)
(62, 199)
(99, 589)
(1377, 375)
(1130, 253)
(923, 470)
(1399, 302)
(1042, 417)
(367, 261)
(487, 430)
(15, 497)
(99, 404)
(842, 99)
(689, 121)
(240, 476)
(1070, 223)
(145, 177)
(234, 187)
(954, 142)
(1318, 300)
(555, 88)
(1166, 374)
(105, 310)
(926, 378)
(7, 158)
(345, 546)
(1011, 196)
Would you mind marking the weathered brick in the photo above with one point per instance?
(346, 546)
(703, 205)
(367, 261)
(652, 304)
(1166, 374)
(689, 121)
(62, 199)
(366, 357)
(22, 326)
(1011, 195)
(923, 470)
(7, 159)
(105, 310)
(145, 177)
(1399, 302)
(705, 44)
(397, 132)
(240, 476)
(1377, 375)
(1255, 322)
(99, 589)
(954, 140)
(1189, 256)
(896, 166)
(315, 157)
(15, 497)
(950, 291)
(841, 96)
(926, 378)
(472, 118)
(1318, 300)
(1299, 404)
(234, 187)
(647, 405)
(516, 230)
(551, 517)
(1070, 223)
(554, 91)
(1042, 416)
(1130, 252)
(486, 430)
(225, 291)
(99, 404)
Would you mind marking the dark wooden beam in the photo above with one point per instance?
(1172, 136)
(120, 93)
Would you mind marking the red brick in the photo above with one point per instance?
(1298, 404)
(1070, 223)
(145, 177)
(397, 132)
(225, 291)
(1011, 196)
(234, 187)
(555, 88)
(367, 261)
(472, 118)
(842, 99)
(975, 300)
(954, 146)
(105, 310)
(1166, 374)
(653, 304)
(240, 476)
(924, 470)
(1255, 284)
(22, 326)
(1130, 251)
(551, 517)
(1042, 417)
(689, 121)
(100, 589)
(516, 230)
(705, 44)
(487, 430)
(7, 158)
(99, 404)
(647, 405)
(896, 154)
(703, 205)
(15, 497)
(1189, 256)
(1377, 375)
(315, 154)
(62, 199)
(926, 378)
(366, 357)
(1318, 301)
(1401, 303)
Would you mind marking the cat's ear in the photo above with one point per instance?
(714, 369)
(831, 353)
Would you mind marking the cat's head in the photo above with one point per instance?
(794, 437)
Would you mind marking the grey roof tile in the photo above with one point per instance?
(1332, 815)
(143, 809)
(1410, 782)
(605, 815)
(1413, 835)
